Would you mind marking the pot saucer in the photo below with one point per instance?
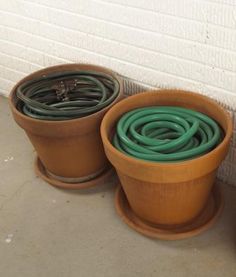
(202, 223)
(100, 179)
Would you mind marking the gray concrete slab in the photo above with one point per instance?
(45, 231)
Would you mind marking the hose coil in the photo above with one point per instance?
(166, 134)
(66, 95)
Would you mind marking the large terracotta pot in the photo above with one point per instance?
(167, 193)
(71, 149)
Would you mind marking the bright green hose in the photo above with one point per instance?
(66, 95)
(166, 134)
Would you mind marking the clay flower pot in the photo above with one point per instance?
(167, 194)
(70, 151)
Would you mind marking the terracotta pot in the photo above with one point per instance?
(167, 193)
(70, 148)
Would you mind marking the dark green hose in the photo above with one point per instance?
(66, 95)
(166, 134)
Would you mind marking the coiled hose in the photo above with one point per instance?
(66, 95)
(166, 134)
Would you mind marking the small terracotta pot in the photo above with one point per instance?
(167, 193)
(68, 148)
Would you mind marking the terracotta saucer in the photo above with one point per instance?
(202, 223)
(40, 171)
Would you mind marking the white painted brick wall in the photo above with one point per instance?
(189, 44)
(167, 43)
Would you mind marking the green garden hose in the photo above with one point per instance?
(66, 95)
(166, 134)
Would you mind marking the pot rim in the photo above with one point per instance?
(54, 69)
(139, 162)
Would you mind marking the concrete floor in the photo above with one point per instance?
(45, 231)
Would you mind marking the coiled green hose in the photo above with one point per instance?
(166, 134)
(66, 95)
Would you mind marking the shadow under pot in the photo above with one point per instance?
(166, 190)
(61, 109)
